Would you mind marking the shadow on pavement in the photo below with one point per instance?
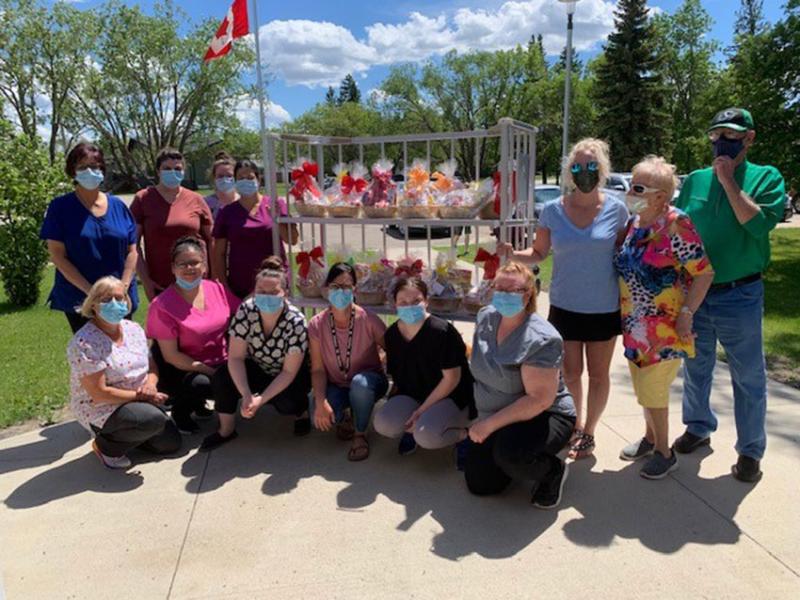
(56, 442)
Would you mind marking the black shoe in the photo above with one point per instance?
(547, 494)
(203, 413)
(746, 469)
(185, 423)
(408, 445)
(302, 426)
(215, 440)
(689, 442)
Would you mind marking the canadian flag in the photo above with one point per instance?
(235, 25)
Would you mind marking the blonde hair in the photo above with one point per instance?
(602, 154)
(100, 288)
(516, 268)
(660, 172)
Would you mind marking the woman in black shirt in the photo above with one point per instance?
(431, 403)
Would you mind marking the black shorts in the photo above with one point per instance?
(585, 327)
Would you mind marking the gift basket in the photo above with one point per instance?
(344, 196)
(308, 200)
(481, 295)
(375, 276)
(311, 272)
(417, 200)
(466, 203)
(380, 201)
(444, 287)
(491, 210)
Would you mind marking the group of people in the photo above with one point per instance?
(220, 325)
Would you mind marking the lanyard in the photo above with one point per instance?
(344, 367)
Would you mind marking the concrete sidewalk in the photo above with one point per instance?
(271, 516)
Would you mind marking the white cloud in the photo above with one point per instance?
(247, 113)
(316, 53)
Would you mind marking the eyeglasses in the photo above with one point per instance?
(590, 166)
(727, 134)
(341, 286)
(643, 189)
(194, 264)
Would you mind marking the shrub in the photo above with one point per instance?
(27, 183)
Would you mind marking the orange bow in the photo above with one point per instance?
(491, 263)
(304, 260)
(442, 182)
(418, 177)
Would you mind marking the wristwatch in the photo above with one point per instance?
(686, 309)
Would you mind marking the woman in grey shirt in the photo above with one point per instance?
(525, 414)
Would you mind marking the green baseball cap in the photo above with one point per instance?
(737, 119)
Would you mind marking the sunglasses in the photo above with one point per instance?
(643, 189)
(590, 166)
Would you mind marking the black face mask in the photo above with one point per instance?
(586, 180)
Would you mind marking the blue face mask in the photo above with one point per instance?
(727, 147)
(89, 179)
(246, 187)
(113, 311)
(341, 299)
(507, 304)
(225, 184)
(188, 285)
(411, 314)
(171, 178)
(268, 303)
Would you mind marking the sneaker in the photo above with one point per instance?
(215, 440)
(185, 423)
(111, 462)
(549, 492)
(637, 450)
(747, 469)
(203, 413)
(689, 442)
(462, 448)
(659, 466)
(408, 445)
(302, 426)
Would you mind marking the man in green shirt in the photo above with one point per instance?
(734, 204)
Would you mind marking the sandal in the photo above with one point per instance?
(360, 448)
(582, 446)
(345, 429)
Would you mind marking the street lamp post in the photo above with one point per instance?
(570, 6)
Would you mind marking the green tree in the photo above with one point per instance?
(750, 17)
(28, 182)
(330, 96)
(348, 91)
(686, 54)
(629, 90)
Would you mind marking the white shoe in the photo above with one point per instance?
(111, 462)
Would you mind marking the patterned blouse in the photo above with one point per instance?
(656, 265)
(289, 335)
(126, 367)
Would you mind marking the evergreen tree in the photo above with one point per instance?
(750, 18)
(577, 63)
(348, 91)
(330, 96)
(629, 90)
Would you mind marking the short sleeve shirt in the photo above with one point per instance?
(213, 205)
(164, 223)
(97, 246)
(249, 238)
(497, 368)
(416, 365)
(584, 280)
(289, 336)
(656, 265)
(125, 366)
(364, 357)
(200, 333)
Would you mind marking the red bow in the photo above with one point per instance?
(304, 178)
(304, 260)
(492, 263)
(349, 185)
(496, 180)
(411, 270)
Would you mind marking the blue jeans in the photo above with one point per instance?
(734, 318)
(364, 391)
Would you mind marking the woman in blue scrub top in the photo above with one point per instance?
(89, 235)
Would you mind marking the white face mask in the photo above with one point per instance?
(636, 204)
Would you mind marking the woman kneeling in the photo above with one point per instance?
(525, 413)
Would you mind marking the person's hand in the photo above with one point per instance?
(683, 327)
(505, 250)
(412, 420)
(206, 370)
(323, 416)
(147, 392)
(251, 405)
(724, 166)
(160, 398)
(479, 432)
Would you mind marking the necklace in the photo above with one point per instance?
(344, 366)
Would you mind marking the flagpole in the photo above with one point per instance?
(267, 148)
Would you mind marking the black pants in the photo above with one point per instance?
(523, 451)
(187, 390)
(291, 401)
(138, 425)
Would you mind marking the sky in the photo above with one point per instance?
(305, 52)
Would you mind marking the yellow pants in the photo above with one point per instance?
(651, 383)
